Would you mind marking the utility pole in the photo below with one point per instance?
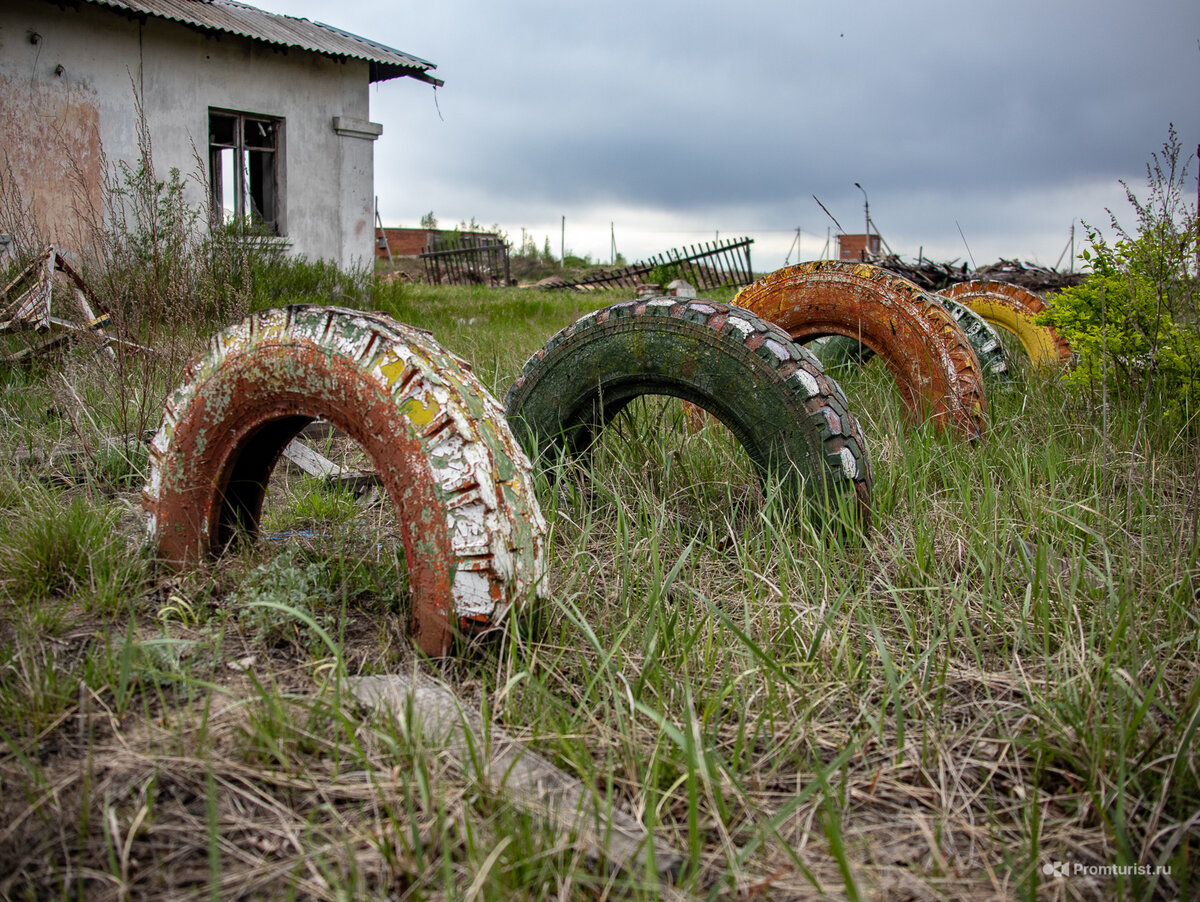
(562, 246)
(612, 248)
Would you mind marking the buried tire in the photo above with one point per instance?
(774, 396)
(936, 370)
(838, 352)
(1014, 309)
(472, 531)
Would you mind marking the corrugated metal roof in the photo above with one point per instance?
(285, 31)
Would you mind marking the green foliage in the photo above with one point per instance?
(1134, 322)
(68, 551)
(156, 263)
(281, 599)
(429, 221)
(663, 274)
(448, 240)
(278, 280)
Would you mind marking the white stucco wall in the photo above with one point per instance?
(54, 118)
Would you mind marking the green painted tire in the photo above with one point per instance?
(773, 395)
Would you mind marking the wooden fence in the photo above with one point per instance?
(712, 264)
(485, 263)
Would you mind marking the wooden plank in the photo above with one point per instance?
(319, 429)
(32, 305)
(507, 766)
(314, 463)
(311, 461)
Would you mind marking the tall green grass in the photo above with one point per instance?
(1002, 676)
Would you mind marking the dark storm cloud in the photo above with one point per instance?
(697, 110)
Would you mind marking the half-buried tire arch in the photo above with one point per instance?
(460, 485)
(1014, 309)
(774, 396)
(936, 370)
(838, 351)
(983, 338)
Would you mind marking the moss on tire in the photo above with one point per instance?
(774, 396)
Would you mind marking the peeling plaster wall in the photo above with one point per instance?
(54, 124)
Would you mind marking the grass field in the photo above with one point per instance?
(1001, 678)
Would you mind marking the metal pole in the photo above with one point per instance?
(866, 217)
(562, 247)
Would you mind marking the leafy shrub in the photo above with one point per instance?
(663, 274)
(1134, 322)
(282, 598)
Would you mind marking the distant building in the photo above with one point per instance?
(413, 242)
(851, 247)
(269, 111)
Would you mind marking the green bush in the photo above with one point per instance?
(279, 280)
(1134, 322)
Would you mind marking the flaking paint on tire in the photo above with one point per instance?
(460, 484)
(936, 370)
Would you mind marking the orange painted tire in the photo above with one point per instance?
(1014, 309)
(936, 370)
(472, 531)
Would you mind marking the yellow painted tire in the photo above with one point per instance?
(1015, 310)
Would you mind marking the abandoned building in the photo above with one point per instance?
(265, 116)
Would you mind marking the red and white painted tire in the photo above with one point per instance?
(460, 484)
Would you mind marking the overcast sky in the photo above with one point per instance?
(678, 121)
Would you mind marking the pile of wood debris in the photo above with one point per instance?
(935, 276)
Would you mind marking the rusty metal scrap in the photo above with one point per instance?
(933, 276)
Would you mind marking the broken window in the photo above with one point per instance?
(243, 161)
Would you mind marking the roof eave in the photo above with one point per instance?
(386, 71)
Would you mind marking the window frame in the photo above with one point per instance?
(256, 170)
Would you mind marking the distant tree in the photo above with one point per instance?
(429, 221)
